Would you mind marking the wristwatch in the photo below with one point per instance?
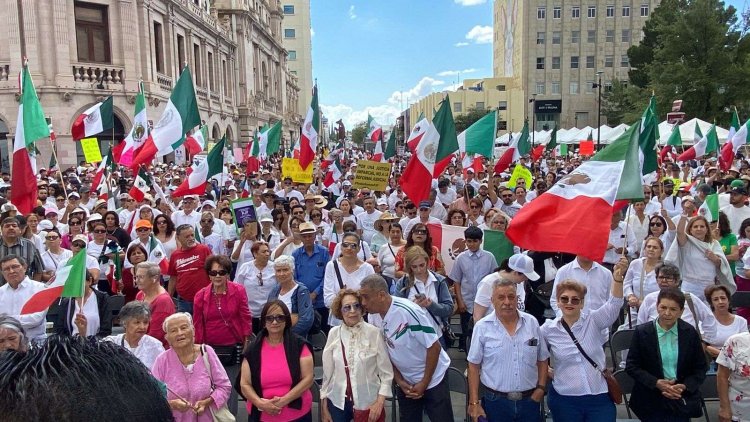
(541, 387)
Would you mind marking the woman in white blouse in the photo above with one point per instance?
(344, 272)
(387, 252)
(640, 279)
(135, 317)
(355, 356)
(579, 390)
(55, 256)
(728, 323)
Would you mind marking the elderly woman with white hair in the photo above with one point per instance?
(295, 295)
(12, 335)
(197, 385)
(135, 317)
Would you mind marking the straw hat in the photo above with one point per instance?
(384, 217)
(320, 201)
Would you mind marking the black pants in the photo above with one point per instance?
(324, 327)
(467, 325)
(436, 402)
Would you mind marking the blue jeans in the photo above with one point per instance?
(338, 415)
(589, 408)
(184, 306)
(500, 409)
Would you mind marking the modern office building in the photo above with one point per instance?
(297, 40)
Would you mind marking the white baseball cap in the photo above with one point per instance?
(524, 265)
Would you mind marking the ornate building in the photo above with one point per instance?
(82, 51)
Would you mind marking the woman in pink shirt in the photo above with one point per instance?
(277, 371)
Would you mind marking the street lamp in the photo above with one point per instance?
(599, 112)
(533, 118)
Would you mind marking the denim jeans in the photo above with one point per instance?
(588, 408)
(436, 403)
(339, 415)
(501, 409)
(184, 306)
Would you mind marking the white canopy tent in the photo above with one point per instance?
(687, 131)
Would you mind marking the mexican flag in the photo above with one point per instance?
(269, 141)
(674, 141)
(157, 254)
(374, 131)
(710, 208)
(196, 143)
(31, 126)
(437, 144)
(479, 138)
(708, 143)
(180, 116)
(141, 185)
(518, 147)
(498, 244)
(647, 138)
(69, 281)
(99, 183)
(560, 150)
(195, 183)
(449, 240)
(738, 136)
(96, 119)
(333, 241)
(139, 132)
(377, 153)
(333, 173)
(308, 142)
(390, 148)
(417, 132)
(574, 215)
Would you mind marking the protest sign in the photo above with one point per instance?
(91, 151)
(523, 173)
(290, 168)
(243, 211)
(372, 175)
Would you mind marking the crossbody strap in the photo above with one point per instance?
(575, 341)
(691, 305)
(436, 294)
(338, 274)
(207, 364)
(349, 393)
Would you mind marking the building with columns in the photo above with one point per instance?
(79, 52)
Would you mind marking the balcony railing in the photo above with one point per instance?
(215, 97)
(164, 81)
(201, 92)
(4, 71)
(95, 73)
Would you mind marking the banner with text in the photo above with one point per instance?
(372, 175)
(91, 151)
(290, 168)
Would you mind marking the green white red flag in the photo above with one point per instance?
(69, 281)
(675, 140)
(196, 142)
(157, 255)
(195, 183)
(710, 208)
(517, 148)
(706, 145)
(450, 241)
(141, 185)
(308, 142)
(94, 120)
(138, 133)
(738, 136)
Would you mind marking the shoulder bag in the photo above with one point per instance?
(613, 388)
(229, 354)
(359, 415)
(221, 414)
(445, 327)
(338, 274)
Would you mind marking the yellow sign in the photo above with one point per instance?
(522, 172)
(372, 175)
(290, 168)
(91, 151)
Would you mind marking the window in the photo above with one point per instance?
(610, 11)
(609, 61)
(541, 13)
(225, 77)
(540, 63)
(501, 87)
(590, 60)
(479, 105)
(556, 12)
(288, 9)
(457, 108)
(589, 87)
(502, 125)
(556, 62)
(92, 32)
(582, 118)
(210, 64)
(591, 36)
(625, 35)
(180, 53)
(158, 48)
(574, 62)
(540, 88)
(555, 89)
(197, 64)
(574, 87)
(624, 61)
(293, 72)
(625, 11)
(644, 10)
(575, 37)
(502, 105)
(540, 38)
(292, 55)
(556, 36)
(575, 12)
(610, 35)
(592, 11)
(607, 86)
(289, 33)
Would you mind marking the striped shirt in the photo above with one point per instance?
(469, 269)
(574, 375)
(25, 249)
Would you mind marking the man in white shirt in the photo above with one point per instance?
(187, 215)
(423, 216)
(508, 354)
(446, 194)
(671, 202)
(621, 241)
(288, 191)
(366, 220)
(16, 292)
(594, 276)
(129, 206)
(737, 211)
(653, 206)
(419, 363)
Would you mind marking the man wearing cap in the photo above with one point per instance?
(470, 180)
(288, 191)
(669, 199)
(128, 208)
(471, 266)
(366, 219)
(593, 275)
(14, 244)
(187, 215)
(519, 263)
(219, 227)
(346, 187)
(87, 201)
(423, 216)
(186, 273)
(310, 266)
(509, 357)
(737, 210)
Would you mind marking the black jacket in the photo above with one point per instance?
(645, 366)
(64, 325)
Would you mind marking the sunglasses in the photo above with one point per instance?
(420, 231)
(260, 279)
(656, 225)
(348, 245)
(142, 229)
(572, 300)
(79, 245)
(160, 222)
(298, 213)
(270, 319)
(100, 231)
(52, 237)
(351, 307)
(74, 223)
(221, 273)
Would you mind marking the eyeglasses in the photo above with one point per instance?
(78, 244)
(352, 307)
(348, 245)
(160, 222)
(220, 273)
(665, 277)
(507, 195)
(656, 225)
(100, 231)
(141, 230)
(420, 231)
(270, 319)
(52, 237)
(207, 221)
(260, 279)
(74, 223)
(572, 300)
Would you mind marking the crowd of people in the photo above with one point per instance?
(217, 311)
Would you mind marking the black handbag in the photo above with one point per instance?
(229, 355)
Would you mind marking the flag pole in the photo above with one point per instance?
(59, 171)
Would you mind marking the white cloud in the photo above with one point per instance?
(461, 44)
(480, 34)
(352, 15)
(469, 2)
(312, 32)
(456, 72)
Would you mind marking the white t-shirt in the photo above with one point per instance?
(287, 297)
(723, 332)
(367, 223)
(54, 261)
(147, 350)
(408, 333)
(484, 293)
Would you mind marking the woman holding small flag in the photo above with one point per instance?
(87, 317)
(387, 253)
(105, 251)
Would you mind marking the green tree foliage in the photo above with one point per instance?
(359, 133)
(624, 103)
(464, 120)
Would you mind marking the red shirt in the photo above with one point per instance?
(187, 266)
(161, 307)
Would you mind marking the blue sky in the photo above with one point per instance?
(377, 56)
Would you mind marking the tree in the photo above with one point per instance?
(359, 132)
(623, 103)
(464, 120)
